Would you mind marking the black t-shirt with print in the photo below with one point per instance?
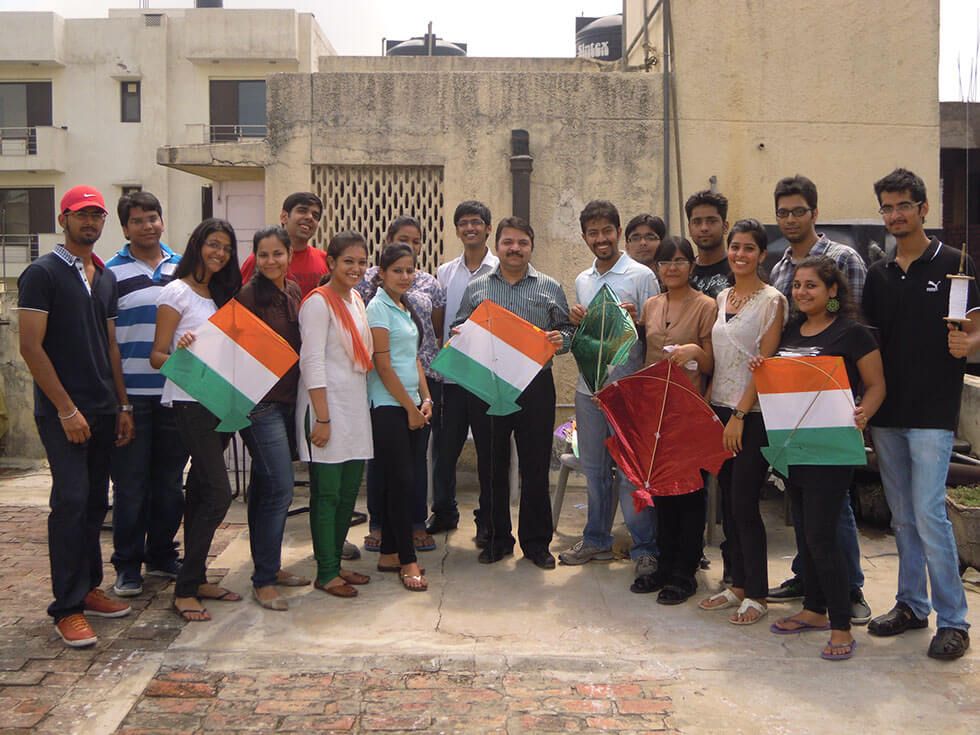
(711, 279)
(842, 338)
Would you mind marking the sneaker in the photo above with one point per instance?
(75, 631)
(582, 553)
(350, 552)
(791, 589)
(860, 609)
(168, 570)
(127, 586)
(645, 565)
(100, 605)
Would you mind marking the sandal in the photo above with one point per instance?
(352, 577)
(673, 594)
(726, 597)
(219, 594)
(288, 579)
(749, 604)
(846, 652)
(372, 542)
(423, 541)
(337, 590)
(801, 626)
(198, 614)
(395, 568)
(414, 582)
(646, 583)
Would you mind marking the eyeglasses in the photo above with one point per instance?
(795, 211)
(649, 237)
(679, 263)
(91, 215)
(470, 223)
(214, 245)
(901, 207)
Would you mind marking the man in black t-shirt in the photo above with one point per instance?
(67, 304)
(906, 297)
(707, 223)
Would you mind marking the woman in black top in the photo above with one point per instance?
(824, 326)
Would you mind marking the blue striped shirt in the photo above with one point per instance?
(139, 286)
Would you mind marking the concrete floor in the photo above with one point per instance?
(511, 614)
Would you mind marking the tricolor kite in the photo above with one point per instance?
(809, 413)
(603, 339)
(233, 362)
(495, 355)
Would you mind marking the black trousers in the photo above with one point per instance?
(79, 500)
(208, 493)
(817, 495)
(452, 418)
(531, 428)
(741, 481)
(395, 450)
(680, 536)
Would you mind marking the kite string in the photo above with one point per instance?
(660, 423)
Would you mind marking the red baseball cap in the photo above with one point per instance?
(80, 197)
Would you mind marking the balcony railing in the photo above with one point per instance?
(18, 141)
(16, 251)
(234, 133)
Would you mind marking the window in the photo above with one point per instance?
(237, 109)
(24, 213)
(24, 106)
(129, 99)
(131, 189)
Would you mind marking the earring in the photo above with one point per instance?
(833, 305)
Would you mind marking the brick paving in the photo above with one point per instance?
(46, 687)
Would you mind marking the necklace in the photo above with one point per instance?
(736, 302)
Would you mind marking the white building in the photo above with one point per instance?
(90, 101)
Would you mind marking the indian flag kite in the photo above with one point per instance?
(495, 356)
(809, 413)
(233, 362)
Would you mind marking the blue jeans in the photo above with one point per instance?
(913, 464)
(847, 540)
(601, 483)
(270, 488)
(148, 491)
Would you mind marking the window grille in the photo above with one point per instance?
(367, 198)
(153, 20)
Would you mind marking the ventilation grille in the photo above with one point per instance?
(367, 198)
(153, 20)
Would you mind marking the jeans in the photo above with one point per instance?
(208, 491)
(531, 427)
(395, 446)
(147, 491)
(913, 465)
(602, 482)
(847, 539)
(452, 417)
(270, 487)
(79, 501)
(333, 491)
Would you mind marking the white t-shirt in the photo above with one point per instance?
(194, 311)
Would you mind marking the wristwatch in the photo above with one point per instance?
(739, 414)
(126, 408)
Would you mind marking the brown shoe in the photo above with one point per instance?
(337, 590)
(75, 631)
(288, 579)
(100, 605)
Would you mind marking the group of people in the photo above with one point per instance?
(363, 394)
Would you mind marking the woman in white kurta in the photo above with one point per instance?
(333, 420)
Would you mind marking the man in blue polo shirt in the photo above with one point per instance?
(67, 313)
(147, 473)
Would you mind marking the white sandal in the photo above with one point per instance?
(749, 604)
(730, 598)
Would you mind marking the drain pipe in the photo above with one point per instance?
(665, 70)
(520, 171)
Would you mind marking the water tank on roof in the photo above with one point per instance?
(599, 38)
(208, 3)
(427, 45)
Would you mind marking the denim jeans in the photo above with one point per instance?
(270, 487)
(147, 491)
(79, 500)
(913, 465)
(847, 540)
(602, 482)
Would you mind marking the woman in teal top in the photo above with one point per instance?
(400, 405)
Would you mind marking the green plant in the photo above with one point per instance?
(966, 495)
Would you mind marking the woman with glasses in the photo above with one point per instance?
(678, 325)
(643, 236)
(751, 315)
(205, 280)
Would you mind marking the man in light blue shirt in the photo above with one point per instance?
(633, 284)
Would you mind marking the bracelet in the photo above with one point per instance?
(69, 416)
(426, 400)
(320, 421)
(126, 408)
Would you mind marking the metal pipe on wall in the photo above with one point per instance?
(521, 165)
(665, 55)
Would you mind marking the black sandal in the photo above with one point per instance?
(673, 594)
(646, 583)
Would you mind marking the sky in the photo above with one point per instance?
(546, 28)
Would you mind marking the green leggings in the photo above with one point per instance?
(333, 490)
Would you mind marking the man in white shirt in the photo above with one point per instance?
(450, 417)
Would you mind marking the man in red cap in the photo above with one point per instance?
(67, 305)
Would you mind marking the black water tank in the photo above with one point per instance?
(599, 38)
(208, 3)
(420, 47)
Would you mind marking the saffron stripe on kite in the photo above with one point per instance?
(794, 375)
(253, 335)
(519, 334)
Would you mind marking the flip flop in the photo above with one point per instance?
(395, 568)
(192, 611)
(352, 577)
(730, 598)
(848, 652)
(749, 604)
(224, 596)
(804, 627)
(421, 581)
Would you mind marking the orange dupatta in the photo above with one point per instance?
(360, 356)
